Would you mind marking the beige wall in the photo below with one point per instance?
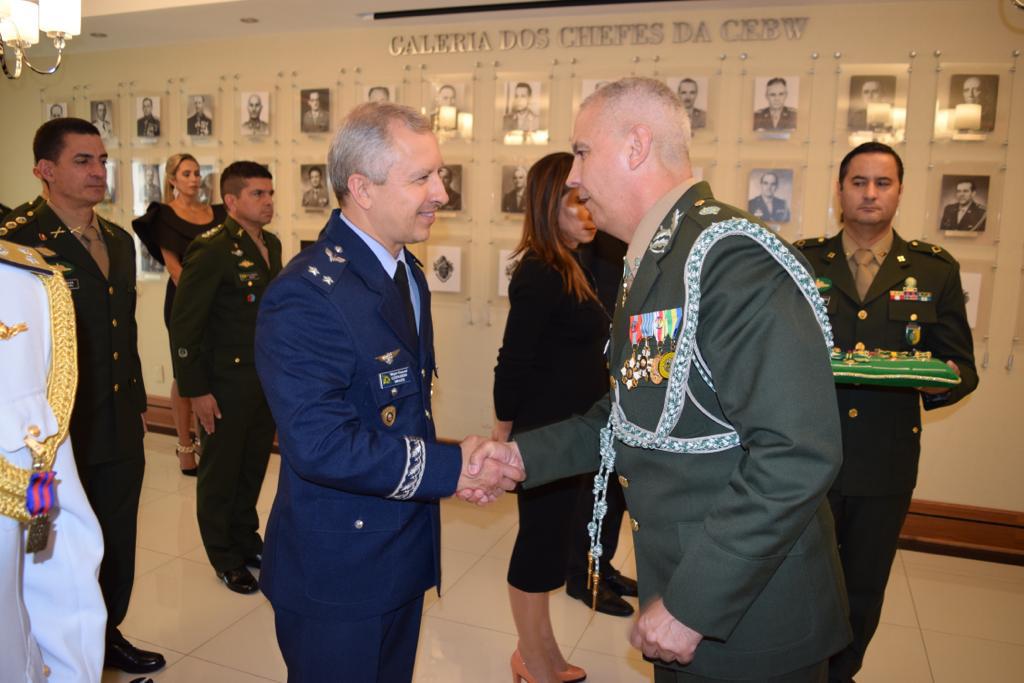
(972, 452)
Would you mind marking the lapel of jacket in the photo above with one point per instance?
(650, 270)
(364, 264)
(892, 271)
(60, 239)
(831, 263)
(425, 332)
(248, 247)
(120, 250)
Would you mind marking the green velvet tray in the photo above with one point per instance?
(891, 369)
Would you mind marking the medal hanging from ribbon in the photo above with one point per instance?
(630, 369)
(39, 502)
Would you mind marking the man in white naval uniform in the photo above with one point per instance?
(50, 601)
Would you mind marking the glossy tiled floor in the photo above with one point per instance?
(945, 620)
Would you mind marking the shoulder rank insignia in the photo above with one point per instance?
(332, 257)
(25, 257)
(709, 210)
(212, 231)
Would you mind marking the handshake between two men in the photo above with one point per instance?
(489, 468)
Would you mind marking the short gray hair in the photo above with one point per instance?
(656, 105)
(363, 145)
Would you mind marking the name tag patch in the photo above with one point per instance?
(394, 378)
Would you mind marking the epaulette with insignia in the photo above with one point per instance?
(933, 249)
(325, 268)
(23, 257)
(810, 242)
(212, 231)
(20, 217)
(707, 207)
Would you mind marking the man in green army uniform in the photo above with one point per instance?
(97, 259)
(721, 424)
(213, 327)
(883, 292)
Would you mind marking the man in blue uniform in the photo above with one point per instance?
(345, 353)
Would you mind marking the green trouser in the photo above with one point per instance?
(816, 673)
(231, 470)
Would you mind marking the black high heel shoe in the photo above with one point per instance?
(185, 450)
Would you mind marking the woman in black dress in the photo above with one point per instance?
(167, 229)
(551, 366)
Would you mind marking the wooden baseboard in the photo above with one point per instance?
(942, 528)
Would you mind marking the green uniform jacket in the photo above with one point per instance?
(213, 321)
(882, 426)
(105, 423)
(740, 543)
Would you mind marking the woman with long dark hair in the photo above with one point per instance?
(167, 229)
(551, 365)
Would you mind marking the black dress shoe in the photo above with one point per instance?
(254, 562)
(622, 585)
(608, 601)
(124, 656)
(239, 580)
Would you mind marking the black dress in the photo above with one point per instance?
(551, 366)
(161, 228)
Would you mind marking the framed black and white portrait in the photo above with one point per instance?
(963, 204)
(147, 185)
(444, 268)
(209, 185)
(451, 178)
(112, 169)
(255, 113)
(450, 107)
(315, 110)
(316, 194)
(770, 194)
(147, 116)
(199, 116)
(507, 264)
(872, 99)
(513, 188)
(776, 99)
(101, 114)
(380, 92)
(693, 91)
(974, 99)
(55, 110)
(523, 111)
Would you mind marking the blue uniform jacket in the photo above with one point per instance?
(355, 527)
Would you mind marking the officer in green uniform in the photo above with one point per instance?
(883, 292)
(213, 325)
(721, 423)
(97, 259)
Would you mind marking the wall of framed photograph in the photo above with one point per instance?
(522, 108)
(773, 192)
(978, 279)
(963, 206)
(846, 77)
(444, 268)
(972, 103)
(871, 103)
(504, 266)
(447, 99)
(776, 102)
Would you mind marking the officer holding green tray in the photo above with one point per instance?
(882, 292)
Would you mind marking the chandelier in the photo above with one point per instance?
(21, 22)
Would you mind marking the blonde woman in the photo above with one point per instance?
(167, 229)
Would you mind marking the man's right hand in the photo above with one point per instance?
(206, 410)
(489, 468)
